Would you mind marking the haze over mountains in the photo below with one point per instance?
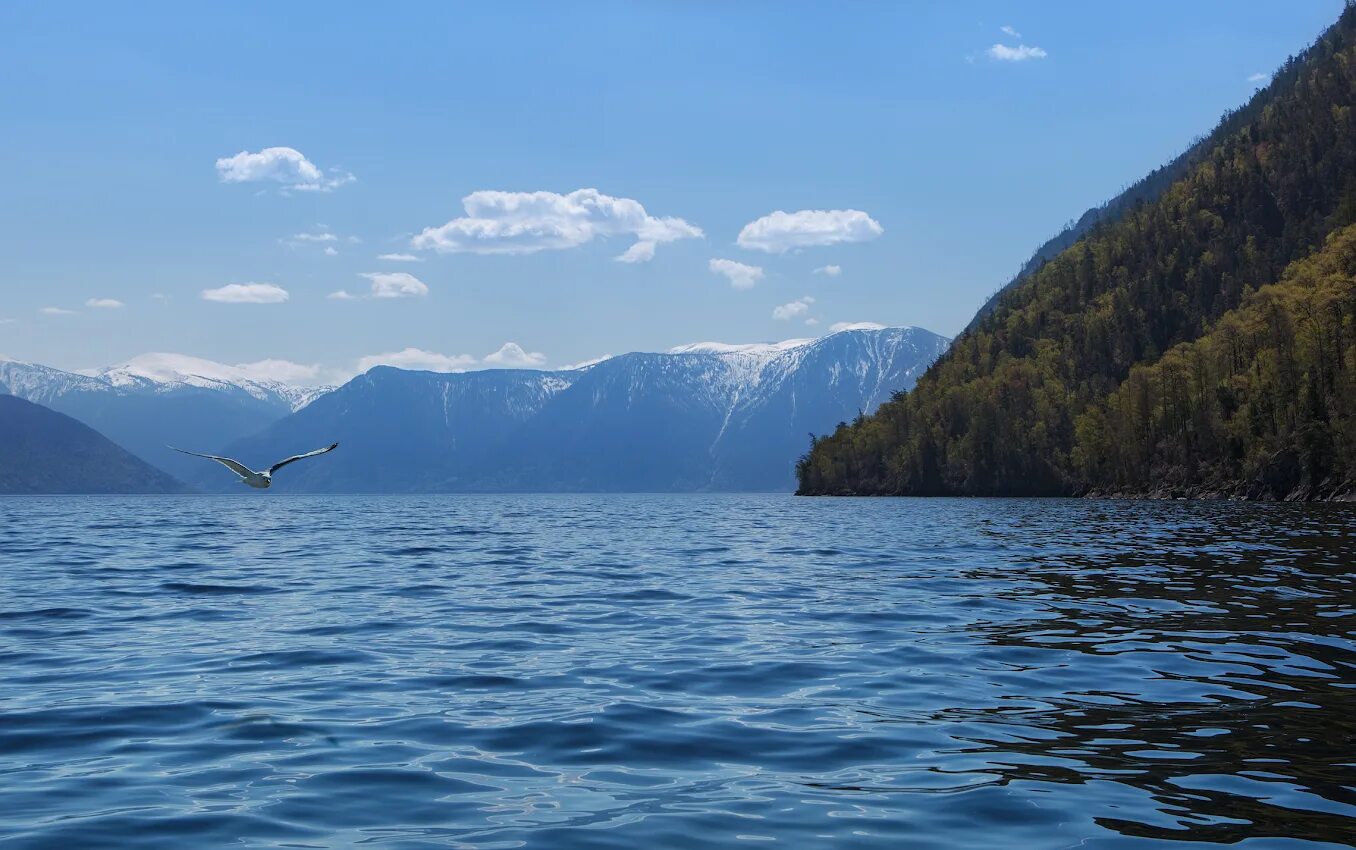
(706, 416)
(157, 400)
(42, 451)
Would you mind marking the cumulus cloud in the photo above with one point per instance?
(1256, 78)
(331, 251)
(282, 165)
(831, 271)
(741, 276)
(1020, 53)
(246, 293)
(812, 321)
(341, 295)
(855, 326)
(641, 252)
(400, 258)
(416, 358)
(57, 311)
(792, 309)
(780, 231)
(527, 222)
(104, 303)
(1008, 30)
(395, 284)
(511, 354)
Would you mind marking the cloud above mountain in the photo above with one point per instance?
(513, 355)
(285, 166)
(779, 232)
(792, 309)
(418, 359)
(527, 222)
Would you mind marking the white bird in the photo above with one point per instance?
(263, 479)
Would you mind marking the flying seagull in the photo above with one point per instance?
(262, 480)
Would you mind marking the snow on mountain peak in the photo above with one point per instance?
(759, 348)
(293, 383)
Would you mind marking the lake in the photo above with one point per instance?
(675, 671)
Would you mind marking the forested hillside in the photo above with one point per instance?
(1001, 412)
(1263, 406)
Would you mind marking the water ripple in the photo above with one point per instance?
(675, 671)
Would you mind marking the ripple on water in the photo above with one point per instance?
(686, 671)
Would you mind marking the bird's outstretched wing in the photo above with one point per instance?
(294, 458)
(234, 465)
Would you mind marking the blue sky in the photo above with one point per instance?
(941, 164)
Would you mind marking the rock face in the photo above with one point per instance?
(159, 399)
(700, 417)
(42, 451)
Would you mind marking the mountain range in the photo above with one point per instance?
(706, 416)
(156, 400)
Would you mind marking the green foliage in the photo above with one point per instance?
(1264, 405)
(1002, 413)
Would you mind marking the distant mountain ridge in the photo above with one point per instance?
(706, 416)
(159, 399)
(42, 451)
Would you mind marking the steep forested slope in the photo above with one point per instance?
(1262, 406)
(998, 413)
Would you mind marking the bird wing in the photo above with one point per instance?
(294, 458)
(234, 465)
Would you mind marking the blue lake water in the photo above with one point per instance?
(674, 671)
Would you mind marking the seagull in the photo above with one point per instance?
(260, 480)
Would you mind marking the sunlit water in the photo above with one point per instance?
(674, 671)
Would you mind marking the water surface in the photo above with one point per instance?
(674, 671)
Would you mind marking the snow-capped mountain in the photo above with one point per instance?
(706, 416)
(162, 372)
(160, 399)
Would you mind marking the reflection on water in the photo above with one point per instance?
(675, 671)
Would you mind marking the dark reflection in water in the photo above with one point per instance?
(675, 671)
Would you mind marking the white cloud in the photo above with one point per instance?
(781, 231)
(415, 358)
(584, 364)
(1020, 53)
(104, 303)
(1256, 78)
(854, 326)
(812, 321)
(831, 271)
(160, 296)
(511, 354)
(400, 258)
(282, 371)
(641, 252)
(313, 237)
(341, 295)
(792, 309)
(527, 222)
(246, 293)
(741, 276)
(395, 284)
(56, 311)
(1007, 30)
(282, 165)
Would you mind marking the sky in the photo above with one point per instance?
(317, 189)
